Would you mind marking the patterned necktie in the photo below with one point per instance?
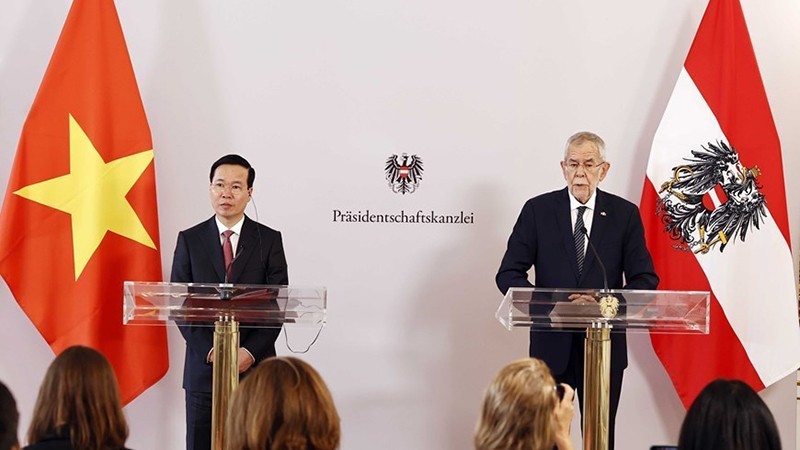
(227, 251)
(579, 236)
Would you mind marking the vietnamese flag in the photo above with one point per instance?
(714, 210)
(80, 215)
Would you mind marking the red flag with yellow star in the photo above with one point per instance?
(79, 215)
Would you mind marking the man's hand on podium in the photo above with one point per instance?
(582, 298)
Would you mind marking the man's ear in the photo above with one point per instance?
(604, 170)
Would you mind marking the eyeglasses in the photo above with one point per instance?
(220, 188)
(588, 166)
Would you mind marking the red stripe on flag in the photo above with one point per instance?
(692, 361)
(723, 66)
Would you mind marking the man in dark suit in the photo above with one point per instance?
(550, 235)
(250, 253)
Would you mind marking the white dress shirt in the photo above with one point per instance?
(237, 231)
(588, 215)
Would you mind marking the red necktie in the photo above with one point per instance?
(227, 251)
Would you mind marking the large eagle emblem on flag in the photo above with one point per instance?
(403, 173)
(712, 200)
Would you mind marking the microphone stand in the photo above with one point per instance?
(609, 305)
(597, 257)
(226, 289)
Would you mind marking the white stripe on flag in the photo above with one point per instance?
(687, 119)
(753, 280)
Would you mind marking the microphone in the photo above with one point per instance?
(597, 257)
(226, 293)
(609, 305)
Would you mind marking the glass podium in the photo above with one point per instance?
(602, 312)
(226, 307)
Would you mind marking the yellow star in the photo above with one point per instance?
(93, 193)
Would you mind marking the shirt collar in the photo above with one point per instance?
(236, 228)
(574, 203)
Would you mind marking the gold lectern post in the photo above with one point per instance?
(226, 375)
(596, 386)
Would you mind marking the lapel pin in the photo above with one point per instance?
(603, 213)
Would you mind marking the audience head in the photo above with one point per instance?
(80, 397)
(283, 404)
(9, 420)
(522, 409)
(729, 415)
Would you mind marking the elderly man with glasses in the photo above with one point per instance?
(551, 236)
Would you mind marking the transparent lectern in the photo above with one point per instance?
(601, 312)
(226, 307)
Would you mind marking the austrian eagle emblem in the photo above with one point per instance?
(403, 173)
(712, 200)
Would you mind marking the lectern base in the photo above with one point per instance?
(596, 386)
(226, 376)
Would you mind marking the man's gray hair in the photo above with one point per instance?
(586, 136)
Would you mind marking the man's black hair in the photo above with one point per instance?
(235, 160)
(9, 419)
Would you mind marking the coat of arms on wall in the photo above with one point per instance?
(403, 173)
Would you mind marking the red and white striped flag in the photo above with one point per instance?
(714, 208)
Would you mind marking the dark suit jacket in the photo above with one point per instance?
(543, 238)
(198, 258)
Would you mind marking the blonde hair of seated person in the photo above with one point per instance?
(521, 410)
(283, 404)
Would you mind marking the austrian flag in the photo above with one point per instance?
(714, 209)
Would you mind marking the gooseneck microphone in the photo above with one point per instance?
(597, 257)
(609, 305)
(225, 292)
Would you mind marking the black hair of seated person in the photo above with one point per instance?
(729, 415)
(9, 420)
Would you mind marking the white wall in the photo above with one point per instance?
(317, 94)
